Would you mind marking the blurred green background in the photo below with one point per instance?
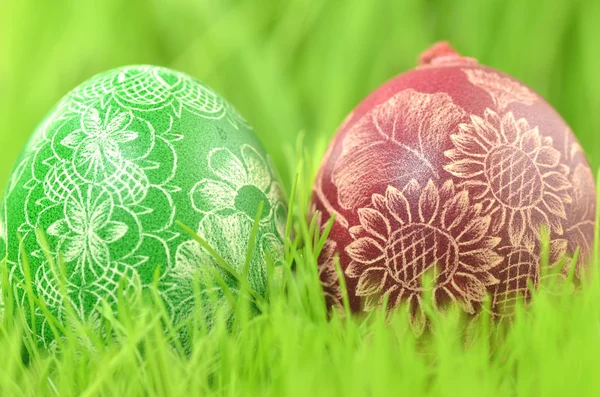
(292, 66)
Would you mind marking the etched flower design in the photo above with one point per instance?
(515, 171)
(328, 275)
(150, 88)
(87, 229)
(96, 144)
(409, 232)
(519, 271)
(580, 233)
(229, 237)
(243, 184)
(503, 90)
(396, 141)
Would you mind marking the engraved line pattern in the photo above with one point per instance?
(396, 243)
(503, 90)
(103, 169)
(502, 159)
(507, 179)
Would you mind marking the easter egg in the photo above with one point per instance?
(451, 169)
(108, 173)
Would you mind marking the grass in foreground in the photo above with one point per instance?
(294, 347)
(291, 65)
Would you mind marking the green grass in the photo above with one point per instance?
(294, 69)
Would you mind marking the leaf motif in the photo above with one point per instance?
(503, 90)
(399, 139)
(419, 120)
(372, 168)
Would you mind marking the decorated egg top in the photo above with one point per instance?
(452, 167)
(114, 165)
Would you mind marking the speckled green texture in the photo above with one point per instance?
(110, 170)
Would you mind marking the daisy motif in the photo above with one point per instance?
(409, 232)
(516, 171)
(87, 229)
(241, 186)
(96, 144)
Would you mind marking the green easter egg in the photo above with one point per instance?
(110, 170)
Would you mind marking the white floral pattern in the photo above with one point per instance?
(503, 90)
(149, 88)
(96, 144)
(421, 185)
(242, 185)
(401, 137)
(398, 241)
(87, 229)
(228, 236)
(105, 176)
(508, 165)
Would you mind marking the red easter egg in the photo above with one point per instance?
(452, 168)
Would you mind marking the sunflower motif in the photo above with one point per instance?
(516, 172)
(415, 230)
(243, 185)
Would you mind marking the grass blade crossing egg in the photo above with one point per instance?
(451, 167)
(113, 166)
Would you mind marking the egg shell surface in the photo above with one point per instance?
(109, 171)
(451, 168)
